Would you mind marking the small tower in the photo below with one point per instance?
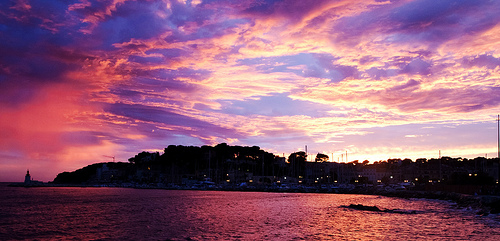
(27, 178)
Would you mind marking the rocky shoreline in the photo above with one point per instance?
(485, 204)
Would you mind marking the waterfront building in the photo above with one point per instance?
(27, 178)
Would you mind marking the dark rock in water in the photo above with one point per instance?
(495, 209)
(401, 211)
(482, 213)
(366, 208)
(488, 204)
(377, 209)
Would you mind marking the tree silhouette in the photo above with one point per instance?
(321, 157)
(298, 163)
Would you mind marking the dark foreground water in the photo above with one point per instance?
(133, 214)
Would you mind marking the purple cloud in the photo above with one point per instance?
(426, 21)
(484, 60)
(316, 65)
(136, 20)
(82, 138)
(417, 66)
(293, 10)
(408, 99)
(274, 105)
(163, 116)
(378, 73)
(410, 84)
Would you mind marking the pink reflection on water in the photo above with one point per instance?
(117, 213)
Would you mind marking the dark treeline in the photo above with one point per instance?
(86, 174)
(234, 165)
(178, 162)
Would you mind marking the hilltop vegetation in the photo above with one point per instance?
(175, 163)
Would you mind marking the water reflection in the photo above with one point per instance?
(99, 213)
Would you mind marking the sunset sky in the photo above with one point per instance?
(85, 79)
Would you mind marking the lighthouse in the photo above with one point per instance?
(27, 178)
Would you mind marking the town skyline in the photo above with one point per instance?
(86, 81)
(187, 155)
(225, 167)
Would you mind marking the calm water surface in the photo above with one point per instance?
(134, 214)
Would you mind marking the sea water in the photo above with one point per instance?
(54, 213)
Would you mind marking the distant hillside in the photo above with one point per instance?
(178, 163)
(94, 173)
